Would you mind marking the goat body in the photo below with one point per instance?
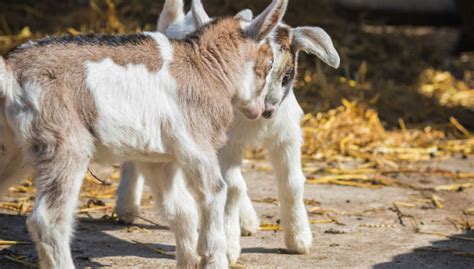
(164, 104)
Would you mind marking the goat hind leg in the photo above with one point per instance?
(129, 192)
(210, 190)
(177, 206)
(230, 158)
(58, 180)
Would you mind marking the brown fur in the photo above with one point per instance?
(60, 71)
(206, 68)
(263, 65)
(67, 105)
(288, 54)
(209, 62)
(283, 37)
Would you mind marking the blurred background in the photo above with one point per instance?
(407, 59)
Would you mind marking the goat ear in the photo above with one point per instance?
(315, 41)
(246, 15)
(200, 16)
(173, 12)
(261, 26)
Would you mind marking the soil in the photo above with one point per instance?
(368, 232)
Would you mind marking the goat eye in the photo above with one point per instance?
(286, 79)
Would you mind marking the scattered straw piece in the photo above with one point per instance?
(157, 250)
(469, 211)
(3, 243)
(356, 171)
(455, 187)
(403, 204)
(268, 200)
(437, 202)
(448, 235)
(447, 250)
(16, 260)
(151, 222)
(93, 209)
(459, 126)
(270, 227)
(320, 221)
(103, 182)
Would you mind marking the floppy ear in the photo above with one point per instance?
(315, 41)
(172, 12)
(200, 16)
(261, 26)
(246, 15)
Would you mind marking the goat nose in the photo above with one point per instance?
(268, 114)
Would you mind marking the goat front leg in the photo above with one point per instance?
(177, 206)
(286, 161)
(59, 173)
(230, 158)
(129, 192)
(249, 220)
(204, 177)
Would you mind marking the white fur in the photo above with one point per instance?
(318, 42)
(129, 192)
(12, 167)
(282, 137)
(177, 206)
(181, 28)
(129, 130)
(134, 103)
(55, 251)
(172, 10)
(128, 98)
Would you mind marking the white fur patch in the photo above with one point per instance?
(248, 82)
(164, 44)
(132, 105)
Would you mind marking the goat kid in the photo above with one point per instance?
(164, 104)
(280, 134)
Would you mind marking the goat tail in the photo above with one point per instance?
(9, 87)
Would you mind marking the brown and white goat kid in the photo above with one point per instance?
(280, 134)
(165, 104)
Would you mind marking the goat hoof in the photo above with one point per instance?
(216, 262)
(299, 243)
(249, 226)
(233, 252)
(126, 216)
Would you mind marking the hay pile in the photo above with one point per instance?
(445, 88)
(355, 132)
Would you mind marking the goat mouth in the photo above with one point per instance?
(268, 114)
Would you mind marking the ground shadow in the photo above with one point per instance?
(92, 234)
(442, 254)
(265, 250)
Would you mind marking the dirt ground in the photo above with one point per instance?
(367, 229)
